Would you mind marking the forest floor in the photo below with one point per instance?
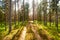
(31, 32)
(33, 29)
(23, 34)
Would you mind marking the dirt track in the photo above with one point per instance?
(30, 32)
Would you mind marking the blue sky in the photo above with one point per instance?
(0, 3)
(0, 0)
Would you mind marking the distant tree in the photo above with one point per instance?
(39, 9)
(23, 11)
(15, 14)
(56, 15)
(45, 11)
(22, 14)
(6, 12)
(18, 12)
(33, 9)
(54, 8)
(1, 15)
(26, 11)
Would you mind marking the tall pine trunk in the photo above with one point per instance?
(10, 16)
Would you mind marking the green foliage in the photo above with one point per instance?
(1, 14)
(51, 30)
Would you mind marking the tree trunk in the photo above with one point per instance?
(10, 16)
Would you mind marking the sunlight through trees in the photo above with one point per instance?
(39, 17)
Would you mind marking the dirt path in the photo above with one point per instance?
(35, 31)
(22, 36)
(30, 32)
(36, 34)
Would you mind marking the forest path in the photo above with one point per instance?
(30, 32)
(37, 36)
(23, 34)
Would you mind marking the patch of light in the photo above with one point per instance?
(0, 0)
(30, 4)
(59, 2)
(13, 0)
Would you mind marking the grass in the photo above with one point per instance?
(4, 32)
(30, 35)
(51, 30)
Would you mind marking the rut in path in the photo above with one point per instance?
(22, 36)
(36, 34)
(35, 31)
